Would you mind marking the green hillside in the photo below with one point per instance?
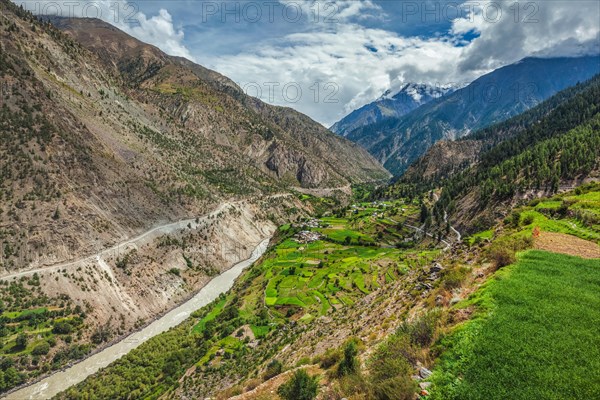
(534, 336)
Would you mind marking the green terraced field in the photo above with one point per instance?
(309, 280)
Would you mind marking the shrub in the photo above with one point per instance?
(514, 219)
(252, 384)
(390, 372)
(41, 349)
(62, 328)
(501, 257)
(421, 330)
(349, 364)
(274, 368)
(330, 358)
(21, 341)
(502, 252)
(301, 386)
(528, 220)
(453, 278)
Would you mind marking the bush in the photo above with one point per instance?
(501, 257)
(453, 278)
(41, 349)
(502, 252)
(252, 384)
(330, 358)
(62, 328)
(390, 372)
(349, 364)
(528, 220)
(514, 219)
(21, 341)
(301, 386)
(273, 369)
(421, 330)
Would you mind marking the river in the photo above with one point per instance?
(62, 380)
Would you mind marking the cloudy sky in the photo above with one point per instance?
(328, 57)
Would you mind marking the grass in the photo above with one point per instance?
(489, 234)
(575, 213)
(313, 277)
(294, 283)
(199, 327)
(568, 226)
(534, 334)
(310, 280)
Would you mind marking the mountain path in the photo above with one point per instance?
(132, 242)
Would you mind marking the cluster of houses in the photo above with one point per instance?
(308, 236)
(311, 223)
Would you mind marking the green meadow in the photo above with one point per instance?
(534, 334)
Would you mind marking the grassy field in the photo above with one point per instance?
(312, 278)
(575, 213)
(534, 334)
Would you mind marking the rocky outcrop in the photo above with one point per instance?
(289, 163)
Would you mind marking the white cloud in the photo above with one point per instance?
(364, 62)
(510, 31)
(158, 30)
(359, 64)
(358, 60)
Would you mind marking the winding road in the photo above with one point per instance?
(420, 229)
(122, 246)
(133, 242)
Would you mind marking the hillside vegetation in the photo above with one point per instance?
(102, 144)
(554, 145)
(297, 284)
(335, 297)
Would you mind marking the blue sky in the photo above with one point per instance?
(328, 57)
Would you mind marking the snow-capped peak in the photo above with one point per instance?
(419, 92)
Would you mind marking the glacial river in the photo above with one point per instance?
(63, 380)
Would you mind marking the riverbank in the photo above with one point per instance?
(61, 380)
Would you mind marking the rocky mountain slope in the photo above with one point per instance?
(390, 105)
(494, 97)
(97, 146)
(280, 141)
(447, 157)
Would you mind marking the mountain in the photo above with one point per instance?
(101, 125)
(401, 300)
(448, 157)
(505, 92)
(293, 146)
(552, 146)
(390, 105)
(128, 178)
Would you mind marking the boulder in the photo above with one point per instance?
(437, 267)
(425, 373)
